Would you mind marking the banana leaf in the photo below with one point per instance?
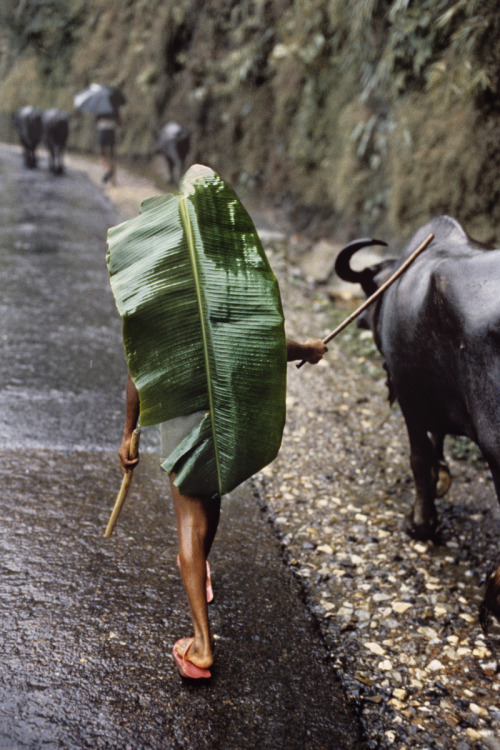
(203, 330)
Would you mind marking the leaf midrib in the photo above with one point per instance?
(184, 213)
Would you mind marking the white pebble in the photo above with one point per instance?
(435, 665)
(385, 666)
(375, 648)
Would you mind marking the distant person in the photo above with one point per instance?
(104, 103)
(28, 123)
(107, 126)
(197, 522)
(173, 143)
(55, 133)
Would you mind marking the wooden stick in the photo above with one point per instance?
(133, 450)
(376, 294)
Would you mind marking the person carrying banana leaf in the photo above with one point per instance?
(206, 351)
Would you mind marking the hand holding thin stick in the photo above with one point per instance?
(134, 448)
(376, 294)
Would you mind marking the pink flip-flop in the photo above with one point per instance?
(187, 668)
(210, 591)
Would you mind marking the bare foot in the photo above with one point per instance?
(186, 648)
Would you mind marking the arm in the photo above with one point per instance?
(132, 410)
(312, 351)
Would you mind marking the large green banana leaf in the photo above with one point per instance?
(203, 330)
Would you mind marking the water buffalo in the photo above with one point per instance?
(55, 132)
(28, 123)
(438, 330)
(173, 143)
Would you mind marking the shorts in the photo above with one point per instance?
(106, 137)
(175, 430)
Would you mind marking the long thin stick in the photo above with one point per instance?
(133, 450)
(376, 294)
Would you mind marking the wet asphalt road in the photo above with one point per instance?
(88, 624)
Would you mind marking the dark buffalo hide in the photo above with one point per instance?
(55, 131)
(28, 123)
(173, 143)
(438, 329)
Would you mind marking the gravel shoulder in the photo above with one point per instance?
(399, 616)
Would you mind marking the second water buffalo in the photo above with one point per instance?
(438, 330)
(173, 143)
(55, 133)
(28, 123)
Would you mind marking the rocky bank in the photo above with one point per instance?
(346, 116)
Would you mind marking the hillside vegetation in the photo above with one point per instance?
(350, 116)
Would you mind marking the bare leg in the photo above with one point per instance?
(103, 158)
(170, 166)
(108, 162)
(111, 162)
(197, 522)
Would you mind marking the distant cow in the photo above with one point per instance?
(55, 132)
(173, 142)
(438, 330)
(28, 122)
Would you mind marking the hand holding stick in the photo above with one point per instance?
(376, 294)
(133, 450)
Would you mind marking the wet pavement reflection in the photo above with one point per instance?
(59, 330)
(88, 624)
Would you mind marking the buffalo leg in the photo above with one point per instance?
(29, 158)
(174, 163)
(60, 164)
(57, 166)
(422, 520)
(440, 466)
(491, 599)
(52, 160)
(170, 167)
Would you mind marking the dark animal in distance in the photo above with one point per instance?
(28, 123)
(173, 143)
(55, 133)
(438, 330)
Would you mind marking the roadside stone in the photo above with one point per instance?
(385, 665)
(325, 548)
(473, 734)
(435, 665)
(478, 710)
(400, 693)
(397, 704)
(440, 611)
(375, 648)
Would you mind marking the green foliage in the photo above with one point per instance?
(46, 27)
(203, 330)
(429, 79)
(402, 46)
(463, 449)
